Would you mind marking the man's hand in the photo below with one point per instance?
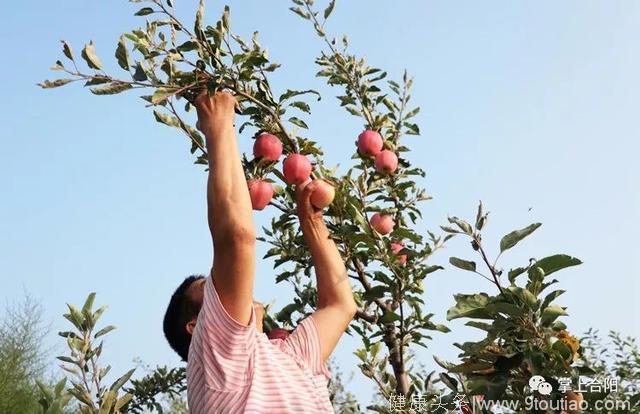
(214, 111)
(307, 212)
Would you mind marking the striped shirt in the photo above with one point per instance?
(233, 368)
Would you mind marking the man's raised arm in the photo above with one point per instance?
(229, 207)
(336, 306)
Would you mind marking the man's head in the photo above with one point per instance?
(182, 313)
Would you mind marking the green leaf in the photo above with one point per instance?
(470, 366)
(390, 317)
(449, 382)
(199, 17)
(551, 297)
(450, 230)
(161, 95)
(290, 93)
(139, 75)
(329, 9)
(412, 129)
(166, 119)
(122, 54)
(565, 352)
(121, 381)
(298, 122)
(88, 303)
(303, 106)
(469, 306)
(97, 80)
(463, 225)
(144, 11)
(67, 359)
(514, 273)
(300, 12)
(59, 387)
(188, 46)
(45, 391)
(515, 236)
(353, 110)
(124, 400)
(375, 292)
(104, 331)
(89, 55)
(551, 313)
(111, 89)
(108, 400)
(66, 49)
(412, 113)
(47, 84)
(524, 295)
(463, 264)
(444, 364)
(480, 325)
(557, 262)
(431, 269)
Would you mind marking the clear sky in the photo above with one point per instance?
(531, 107)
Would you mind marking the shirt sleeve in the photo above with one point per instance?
(305, 343)
(222, 346)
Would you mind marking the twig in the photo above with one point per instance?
(186, 131)
(491, 268)
(366, 316)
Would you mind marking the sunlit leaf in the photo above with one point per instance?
(463, 264)
(122, 54)
(89, 55)
(515, 236)
(111, 89)
(47, 84)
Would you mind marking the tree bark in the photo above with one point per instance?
(395, 359)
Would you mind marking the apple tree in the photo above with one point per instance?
(375, 215)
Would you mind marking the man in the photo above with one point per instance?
(213, 322)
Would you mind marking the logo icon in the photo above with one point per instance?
(538, 383)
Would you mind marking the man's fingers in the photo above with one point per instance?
(305, 189)
(201, 98)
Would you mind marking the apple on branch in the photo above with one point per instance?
(260, 192)
(382, 223)
(396, 247)
(296, 169)
(386, 162)
(369, 142)
(268, 147)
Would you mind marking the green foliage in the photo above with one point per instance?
(523, 333)
(151, 391)
(23, 359)
(344, 402)
(614, 357)
(85, 373)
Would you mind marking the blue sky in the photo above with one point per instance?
(524, 105)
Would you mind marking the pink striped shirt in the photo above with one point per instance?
(234, 369)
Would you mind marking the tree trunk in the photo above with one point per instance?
(396, 360)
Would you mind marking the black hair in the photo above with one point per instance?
(179, 312)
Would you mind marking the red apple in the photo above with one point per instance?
(267, 146)
(296, 169)
(278, 333)
(261, 193)
(386, 162)
(382, 223)
(396, 247)
(369, 142)
(323, 194)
